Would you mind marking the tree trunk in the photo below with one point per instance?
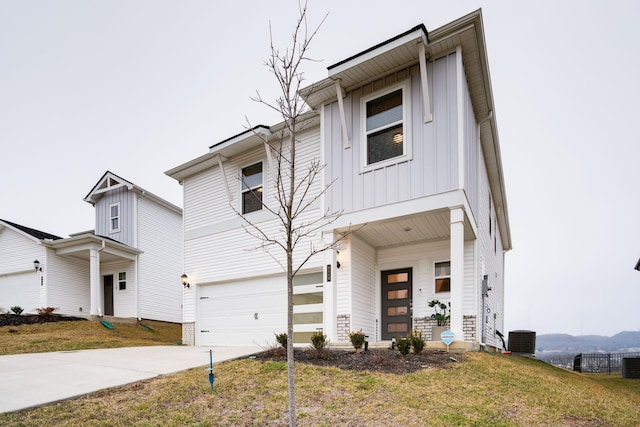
(289, 226)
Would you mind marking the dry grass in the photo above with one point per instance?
(485, 390)
(65, 336)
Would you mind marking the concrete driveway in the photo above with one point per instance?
(28, 380)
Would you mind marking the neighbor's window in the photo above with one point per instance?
(443, 276)
(122, 281)
(114, 217)
(385, 125)
(252, 188)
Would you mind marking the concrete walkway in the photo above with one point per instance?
(28, 380)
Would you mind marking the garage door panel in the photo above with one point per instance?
(21, 290)
(242, 313)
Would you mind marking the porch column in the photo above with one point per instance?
(329, 294)
(457, 270)
(94, 282)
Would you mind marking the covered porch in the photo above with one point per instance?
(111, 265)
(390, 268)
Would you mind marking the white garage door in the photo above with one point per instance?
(242, 313)
(20, 289)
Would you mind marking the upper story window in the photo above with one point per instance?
(442, 275)
(114, 217)
(252, 188)
(385, 131)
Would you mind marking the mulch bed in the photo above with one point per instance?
(379, 360)
(10, 319)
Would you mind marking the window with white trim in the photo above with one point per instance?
(442, 274)
(114, 217)
(385, 118)
(252, 188)
(122, 281)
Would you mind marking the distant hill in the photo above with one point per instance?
(628, 341)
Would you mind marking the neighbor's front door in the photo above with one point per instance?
(108, 295)
(396, 302)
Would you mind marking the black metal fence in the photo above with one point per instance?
(600, 362)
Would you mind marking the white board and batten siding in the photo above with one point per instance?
(127, 201)
(433, 167)
(19, 282)
(160, 263)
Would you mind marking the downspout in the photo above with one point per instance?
(481, 122)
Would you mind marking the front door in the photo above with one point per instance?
(396, 302)
(108, 295)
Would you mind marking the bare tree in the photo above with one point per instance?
(296, 194)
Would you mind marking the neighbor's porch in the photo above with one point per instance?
(111, 270)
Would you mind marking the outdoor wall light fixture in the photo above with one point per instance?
(36, 265)
(338, 259)
(185, 281)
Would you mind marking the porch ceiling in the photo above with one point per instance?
(434, 225)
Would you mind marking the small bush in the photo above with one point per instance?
(357, 339)
(46, 311)
(417, 341)
(404, 345)
(17, 309)
(319, 345)
(282, 339)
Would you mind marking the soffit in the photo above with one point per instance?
(432, 226)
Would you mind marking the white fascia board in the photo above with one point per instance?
(249, 137)
(17, 230)
(366, 56)
(192, 167)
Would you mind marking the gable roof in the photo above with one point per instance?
(110, 181)
(40, 235)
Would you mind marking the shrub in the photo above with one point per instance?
(17, 309)
(46, 311)
(417, 341)
(319, 342)
(357, 339)
(404, 345)
(282, 339)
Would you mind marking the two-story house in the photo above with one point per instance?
(128, 267)
(407, 131)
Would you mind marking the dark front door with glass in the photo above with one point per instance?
(396, 303)
(108, 295)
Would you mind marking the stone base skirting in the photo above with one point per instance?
(422, 324)
(344, 327)
(189, 333)
(425, 324)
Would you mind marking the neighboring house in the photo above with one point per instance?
(128, 267)
(408, 134)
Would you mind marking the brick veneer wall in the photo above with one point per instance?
(189, 333)
(424, 324)
(344, 327)
(469, 328)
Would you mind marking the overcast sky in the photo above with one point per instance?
(138, 87)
